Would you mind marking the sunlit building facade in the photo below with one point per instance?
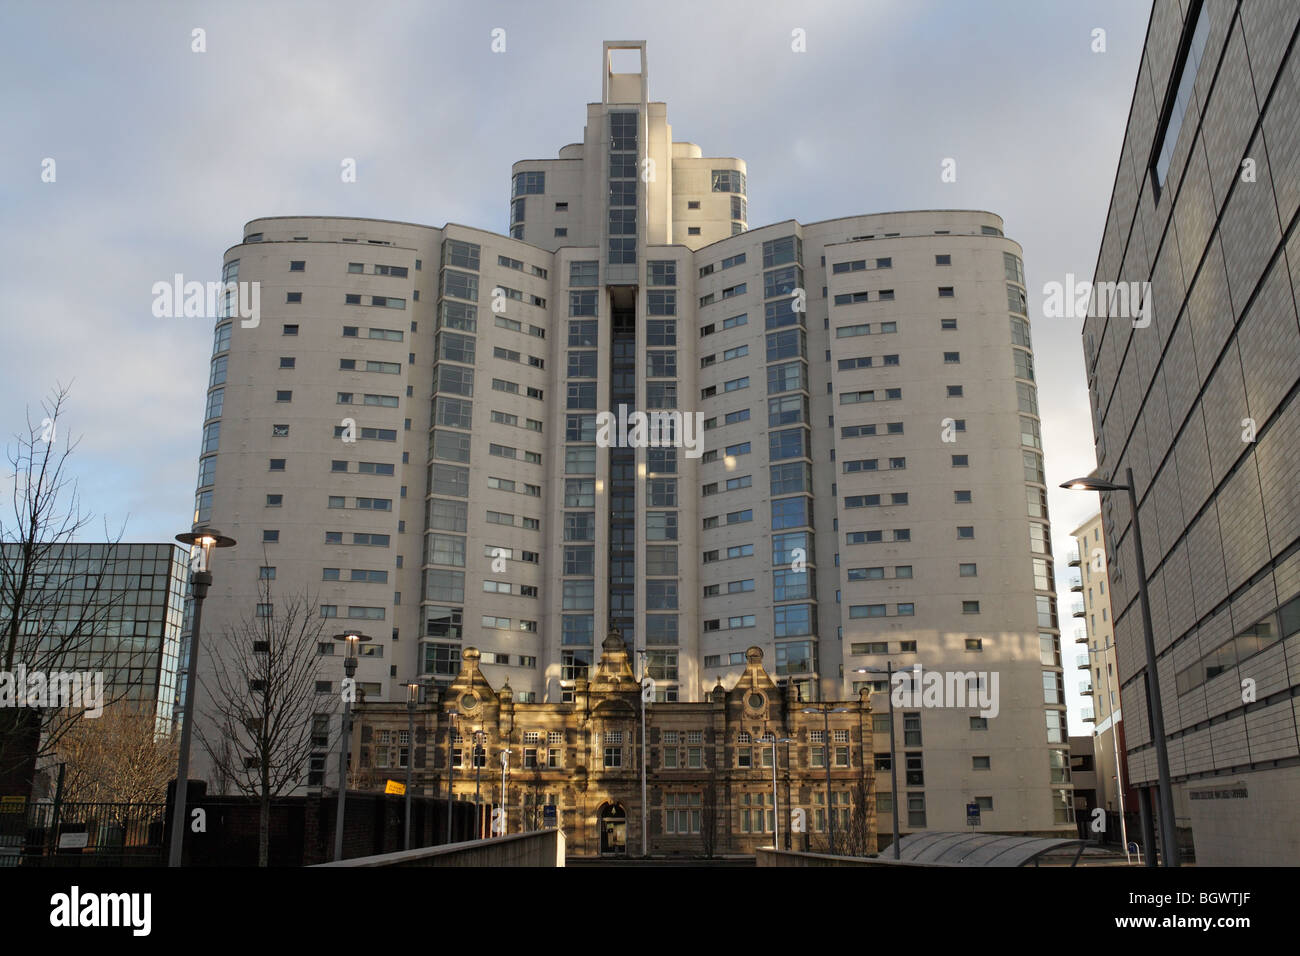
(416, 432)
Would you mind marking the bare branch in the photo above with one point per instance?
(261, 685)
(54, 593)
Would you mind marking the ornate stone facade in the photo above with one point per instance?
(709, 780)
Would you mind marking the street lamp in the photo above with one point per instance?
(201, 541)
(412, 699)
(1114, 734)
(505, 813)
(478, 765)
(643, 655)
(451, 764)
(893, 753)
(776, 800)
(1169, 834)
(352, 641)
(826, 712)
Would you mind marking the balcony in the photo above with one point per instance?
(1076, 609)
(1080, 635)
(1074, 557)
(1076, 584)
(1082, 662)
(1085, 688)
(1088, 718)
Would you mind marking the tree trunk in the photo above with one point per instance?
(264, 830)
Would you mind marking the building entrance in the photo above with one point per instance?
(613, 830)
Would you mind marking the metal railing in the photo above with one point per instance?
(83, 834)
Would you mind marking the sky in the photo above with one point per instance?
(162, 153)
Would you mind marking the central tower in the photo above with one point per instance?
(623, 211)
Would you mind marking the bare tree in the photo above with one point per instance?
(533, 808)
(262, 687)
(859, 836)
(117, 758)
(54, 594)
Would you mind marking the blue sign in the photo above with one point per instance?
(548, 815)
(973, 814)
(1132, 847)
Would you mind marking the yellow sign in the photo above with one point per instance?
(13, 804)
(394, 787)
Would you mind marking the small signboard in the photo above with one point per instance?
(13, 804)
(394, 787)
(74, 841)
(548, 815)
(973, 814)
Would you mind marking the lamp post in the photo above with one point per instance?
(451, 764)
(412, 698)
(893, 752)
(352, 641)
(478, 765)
(505, 813)
(1169, 834)
(642, 655)
(1114, 733)
(786, 779)
(201, 541)
(826, 712)
(776, 799)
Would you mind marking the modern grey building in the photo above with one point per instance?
(1199, 399)
(414, 430)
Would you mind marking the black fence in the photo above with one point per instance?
(83, 834)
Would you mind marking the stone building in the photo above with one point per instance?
(709, 780)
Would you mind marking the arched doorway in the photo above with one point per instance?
(612, 820)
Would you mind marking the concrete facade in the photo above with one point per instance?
(1199, 400)
(867, 487)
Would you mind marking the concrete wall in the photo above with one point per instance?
(540, 848)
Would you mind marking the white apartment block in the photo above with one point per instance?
(868, 485)
(1094, 638)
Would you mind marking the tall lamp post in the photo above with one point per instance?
(505, 812)
(1169, 834)
(451, 764)
(352, 641)
(478, 765)
(642, 655)
(776, 799)
(893, 752)
(201, 541)
(1114, 733)
(826, 712)
(412, 698)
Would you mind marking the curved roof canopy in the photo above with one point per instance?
(979, 849)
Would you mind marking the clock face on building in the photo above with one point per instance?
(756, 701)
(468, 701)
